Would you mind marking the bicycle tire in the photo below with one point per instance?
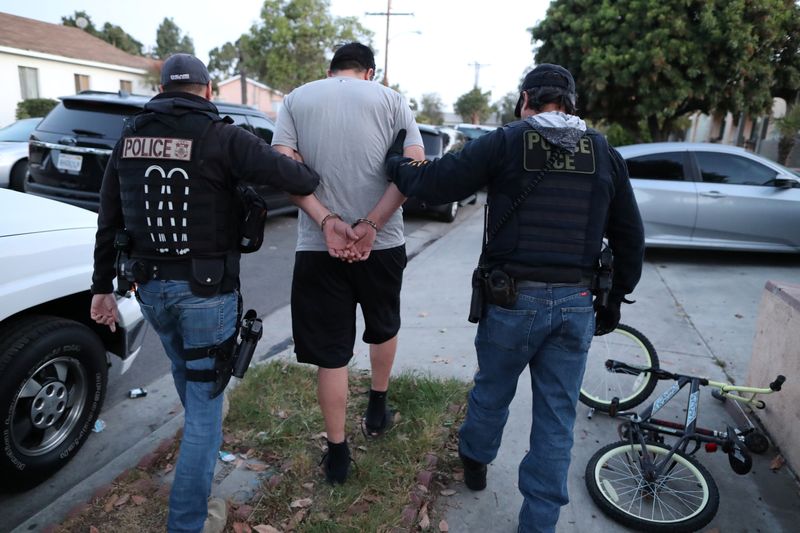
(615, 483)
(600, 386)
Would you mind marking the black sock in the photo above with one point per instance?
(338, 450)
(376, 409)
(337, 465)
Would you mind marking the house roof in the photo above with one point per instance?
(37, 36)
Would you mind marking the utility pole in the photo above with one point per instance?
(242, 72)
(478, 70)
(388, 15)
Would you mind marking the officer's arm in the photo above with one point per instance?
(109, 220)
(254, 161)
(451, 178)
(625, 231)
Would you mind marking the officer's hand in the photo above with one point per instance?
(606, 318)
(396, 149)
(104, 310)
(339, 238)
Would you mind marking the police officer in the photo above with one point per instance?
(555, 189)
(171, 185)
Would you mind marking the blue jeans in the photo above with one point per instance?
(549, 331)
(183, 321)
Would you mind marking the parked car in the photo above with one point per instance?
(473, 131)
(702, 195)
(14, 152)
(69, 149)
(53, 359)
(435, 141)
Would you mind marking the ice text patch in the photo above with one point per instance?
(537, 152)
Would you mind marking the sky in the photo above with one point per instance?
(433, 51)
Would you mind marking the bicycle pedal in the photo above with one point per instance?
(614, 407)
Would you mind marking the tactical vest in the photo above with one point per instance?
(172, 205)
(561, 222)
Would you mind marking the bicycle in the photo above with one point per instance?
(600, 386)
(645, 484)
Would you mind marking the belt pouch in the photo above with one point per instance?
(207, 274)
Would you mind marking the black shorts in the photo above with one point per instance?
(325, 291)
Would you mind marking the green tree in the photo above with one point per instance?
(110, 33)
(473, 106)
(789, 128)
(35, 107)
(223, 61)
(651, 61)
(293, 42)
(506, 107)
(115, 35)
(431, 110)
(170, 41)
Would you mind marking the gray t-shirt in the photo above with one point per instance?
(343, 128)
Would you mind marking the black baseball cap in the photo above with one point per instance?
(546, 75)
(353, 53)
(184, 68)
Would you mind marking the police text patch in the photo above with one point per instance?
(537, 151)
(157, 148)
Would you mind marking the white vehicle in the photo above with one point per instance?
(53, 358)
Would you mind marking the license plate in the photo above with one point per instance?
(69, 162)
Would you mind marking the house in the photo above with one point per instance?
(260, 96)
(43, 60)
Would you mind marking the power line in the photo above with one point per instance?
(388, 16)
(478, 70)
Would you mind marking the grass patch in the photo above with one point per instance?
(274, 417)
(275, 412)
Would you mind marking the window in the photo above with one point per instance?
(667, 166)
(126, 86)
(239, 120)
(432, 143)
(28, 82)
(733, 169)
(81, 82)
(263, 127)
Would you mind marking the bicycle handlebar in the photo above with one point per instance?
(776, 385)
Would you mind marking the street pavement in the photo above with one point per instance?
(699, 310)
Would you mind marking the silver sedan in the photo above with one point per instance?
(14, 152)
(702, 195)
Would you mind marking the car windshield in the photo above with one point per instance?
(96, 121)
(19, 131)
(472, 133)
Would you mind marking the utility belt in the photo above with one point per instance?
(207, 276)
(500, 285)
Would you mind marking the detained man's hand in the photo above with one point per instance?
(104, 310)
(339, 238)
(366, 238)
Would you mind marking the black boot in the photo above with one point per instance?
(474, 473)
(336, 462)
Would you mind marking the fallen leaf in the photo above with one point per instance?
(302, 503)
(296, 519)
(443, 527)
(777, 463)
(371, 498)
(425, 521)
(239, 462)
(241, 527)
(93, 529)
(283, 415)
(458, 476)
(256, 467)
(248, 454)
(110, 503)
(447, 492)
(122, 500)
(138, 500)
(320, 435)
(361, 448)
(362, 390)
(357, 508)
(274, 481)
(396, 417)
(263, 528)
(424, 478)
(168, 468)
(308, 486)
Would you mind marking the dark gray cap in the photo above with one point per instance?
(546, 75)
(184, 68)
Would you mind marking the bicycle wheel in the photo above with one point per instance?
(600, 386)
(685, 498)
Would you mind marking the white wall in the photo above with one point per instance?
(57, 78)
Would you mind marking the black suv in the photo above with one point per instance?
(70, 148)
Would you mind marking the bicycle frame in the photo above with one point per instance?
(687, 432)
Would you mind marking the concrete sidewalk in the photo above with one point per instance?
(437, 339)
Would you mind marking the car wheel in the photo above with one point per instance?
(16, 180)
(53, 375)
(448, 212)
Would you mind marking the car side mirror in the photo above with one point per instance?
(783, 181)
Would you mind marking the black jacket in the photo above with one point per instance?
(231, 154)
(495, 160)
